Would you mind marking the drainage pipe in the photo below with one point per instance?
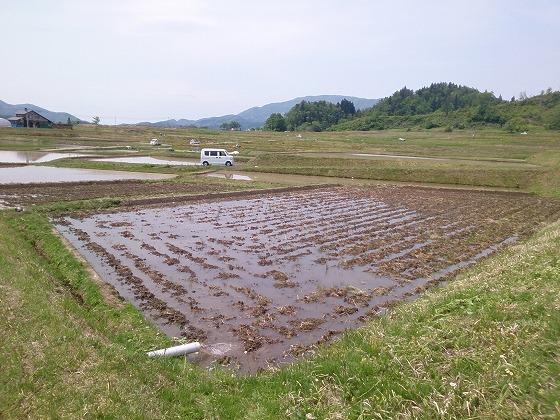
(176, 350)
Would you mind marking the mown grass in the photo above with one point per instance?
(484, 345)
(400, 170)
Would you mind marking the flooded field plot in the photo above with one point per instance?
(273, 275)
(46, 174)
(22, 157)
(147, 160)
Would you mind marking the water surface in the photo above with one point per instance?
(43, 174)
(149, 160)
(9, 156)
(222, 175)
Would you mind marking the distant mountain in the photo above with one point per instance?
(9, 110)
(255, 117)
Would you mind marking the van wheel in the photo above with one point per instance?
(205, 163)
(228, 163)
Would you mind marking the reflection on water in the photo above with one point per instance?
(149, 160)
(42, 174)
(33, 157)
(237, 177)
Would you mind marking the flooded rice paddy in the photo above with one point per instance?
(147, 160)
(274, 275)
(26, 158)
(46, 174)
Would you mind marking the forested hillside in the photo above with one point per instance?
(445, 105)
(452, 106)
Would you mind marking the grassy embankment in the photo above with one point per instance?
(484, 345)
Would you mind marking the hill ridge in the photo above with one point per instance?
(9, 110)
(256, 116)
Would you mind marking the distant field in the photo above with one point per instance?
(482, 154)
(480, 144)
(402, 170)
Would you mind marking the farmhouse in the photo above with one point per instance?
(30, 119)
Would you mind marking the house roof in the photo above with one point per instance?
(21, 114)
(14, 118)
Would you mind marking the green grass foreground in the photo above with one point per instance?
(485, 345)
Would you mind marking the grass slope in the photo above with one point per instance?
(485, 345)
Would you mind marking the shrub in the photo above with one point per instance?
(553, 119)
(516, 125)
(430, 124)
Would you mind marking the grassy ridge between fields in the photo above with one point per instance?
(485, 345)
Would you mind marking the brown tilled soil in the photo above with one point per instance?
(273, 275)
(27, 194)
(11, 165)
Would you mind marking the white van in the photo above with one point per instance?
(215, 157)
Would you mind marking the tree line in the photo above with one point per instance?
(311, 116)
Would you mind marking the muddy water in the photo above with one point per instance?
(33, 157)
(270, 277)
(150, 161)
(44, 174)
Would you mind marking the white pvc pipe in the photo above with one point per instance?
(177, 350)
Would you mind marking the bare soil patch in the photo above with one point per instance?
(27, 194)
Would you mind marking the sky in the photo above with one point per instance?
(140, 60)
